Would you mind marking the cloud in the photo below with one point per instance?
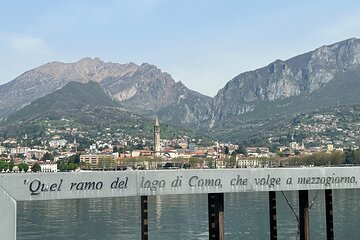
(29, 45)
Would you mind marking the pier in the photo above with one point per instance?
(214, 183)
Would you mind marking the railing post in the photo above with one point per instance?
(329, 215)
(144, 218)
(8, 216)
(272, 214)
(304, 215)
(216, 216)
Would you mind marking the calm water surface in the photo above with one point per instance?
(182, 217)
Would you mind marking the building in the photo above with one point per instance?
(135, 153)
(157, 152)
(330, 147)
(192, 147)
(58, 143)
(93, 160)
(248, 162)
(35, 153)
(3, 150)
(257, 150)
(183, 144)
(48, 167)
(18, 150)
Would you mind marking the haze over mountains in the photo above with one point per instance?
(327, 76)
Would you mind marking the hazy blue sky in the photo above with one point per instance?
(202, 43)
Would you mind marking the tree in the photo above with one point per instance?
(105, 163)
(19, 155)
(36, 167)
(115, 149)
(23, 167)
(241, 150)
(75, 158)
(47, 156)
(142, 161)
(71, 166)
(84, 165)
(321, 159)
(336, 158)
(210, 162)
(357, 157)
(349, 156)
(11, 165)
(139, 147)
(3, 165)
(226, 150)
(194, 162)
(231, 162)
(63, 167)
(154, 162)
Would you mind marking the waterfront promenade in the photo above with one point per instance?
(48, 186)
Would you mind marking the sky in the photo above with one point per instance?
(202, 43)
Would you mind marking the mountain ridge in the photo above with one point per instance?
(142, 88)
(315, 79)
(85, 107)
(299, 75)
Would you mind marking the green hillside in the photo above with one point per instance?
(255, 126)
(338, 125)
(86, 108)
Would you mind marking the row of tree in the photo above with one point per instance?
(6, 165)
(23, 167)
(348, 156)
(70, 164)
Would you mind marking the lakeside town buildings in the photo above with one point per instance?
(102, 153)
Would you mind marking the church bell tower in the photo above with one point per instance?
(157, 138)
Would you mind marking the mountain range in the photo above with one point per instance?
(317, 79)
(325, 77)
(143, 89)
(87, 108)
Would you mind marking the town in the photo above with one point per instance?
(123, 152)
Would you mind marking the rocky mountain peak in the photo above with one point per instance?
(303, 74)
(147, 90)
(144, 88)
(90, 60)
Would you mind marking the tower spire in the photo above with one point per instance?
(157, 138)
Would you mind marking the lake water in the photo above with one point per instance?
(183, 217)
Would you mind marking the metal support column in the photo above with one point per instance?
(304, 215)
(216, 216)
(329, 215)
(144, 218)
(272, 214)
